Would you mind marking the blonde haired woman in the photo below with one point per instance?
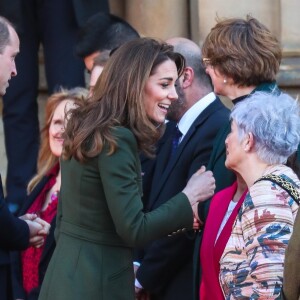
(29, 266)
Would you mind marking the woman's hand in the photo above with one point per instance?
(196, 224)
(28, 217)
(200, 187)
(38, 229)
(45, 226)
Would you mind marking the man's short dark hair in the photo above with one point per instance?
(103, 31)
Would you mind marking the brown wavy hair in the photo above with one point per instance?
(46, 159)
(244, 50)
(118, 100)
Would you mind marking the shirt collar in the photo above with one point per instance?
(192, 113)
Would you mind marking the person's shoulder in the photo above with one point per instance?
(123, 133)
(266, 192)
(124, 136)
(222, 108)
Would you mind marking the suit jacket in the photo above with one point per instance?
(18, 290)
(166, 267)
(83, 9)
(100, 219)
(148, 164)
(14, 235)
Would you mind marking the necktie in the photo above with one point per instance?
(175, 139)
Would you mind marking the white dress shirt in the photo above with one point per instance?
(192, 113)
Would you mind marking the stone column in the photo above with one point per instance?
(289, 76)
(117, 7)
(290, 27)
(158, 18)
(267, 11)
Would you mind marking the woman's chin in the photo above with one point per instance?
(228, 165)
(157, 124)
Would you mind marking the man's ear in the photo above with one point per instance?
(188, 77)
(249, 142)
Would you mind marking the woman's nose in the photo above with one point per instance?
(173, 94)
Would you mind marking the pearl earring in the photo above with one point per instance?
(225, 81)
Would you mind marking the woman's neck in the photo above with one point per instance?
(237, 91)
(253, 172)
(241, 188)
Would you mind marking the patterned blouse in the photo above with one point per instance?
(251, 266)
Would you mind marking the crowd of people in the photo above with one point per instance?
(147, 186)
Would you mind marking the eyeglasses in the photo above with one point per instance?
(206, 62)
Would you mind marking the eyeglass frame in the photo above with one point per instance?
(206, 62)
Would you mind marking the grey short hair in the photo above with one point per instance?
(274, 121)
(4, 33)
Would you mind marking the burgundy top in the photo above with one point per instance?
(31, 257)
(212, 250)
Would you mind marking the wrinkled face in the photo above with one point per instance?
(57, 126)
(160, 91)
(234, 148)
(7, 61)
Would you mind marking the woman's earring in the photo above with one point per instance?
(225, 81)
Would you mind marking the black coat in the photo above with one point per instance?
(14, 235)
(49, 247)
(83, 9)
(166, 264)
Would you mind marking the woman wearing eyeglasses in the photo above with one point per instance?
(241, 56)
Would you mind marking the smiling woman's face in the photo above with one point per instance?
(57, 127)
(160, 91)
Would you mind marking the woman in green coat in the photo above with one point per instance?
(100, 215)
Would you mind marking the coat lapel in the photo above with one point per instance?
(220, 148)
(161, 162)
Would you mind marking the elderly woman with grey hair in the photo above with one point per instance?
(250, 223)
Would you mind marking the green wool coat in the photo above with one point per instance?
(99, 220)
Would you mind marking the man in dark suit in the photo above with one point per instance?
(54, 24)
(15, 234)
(165, 269)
